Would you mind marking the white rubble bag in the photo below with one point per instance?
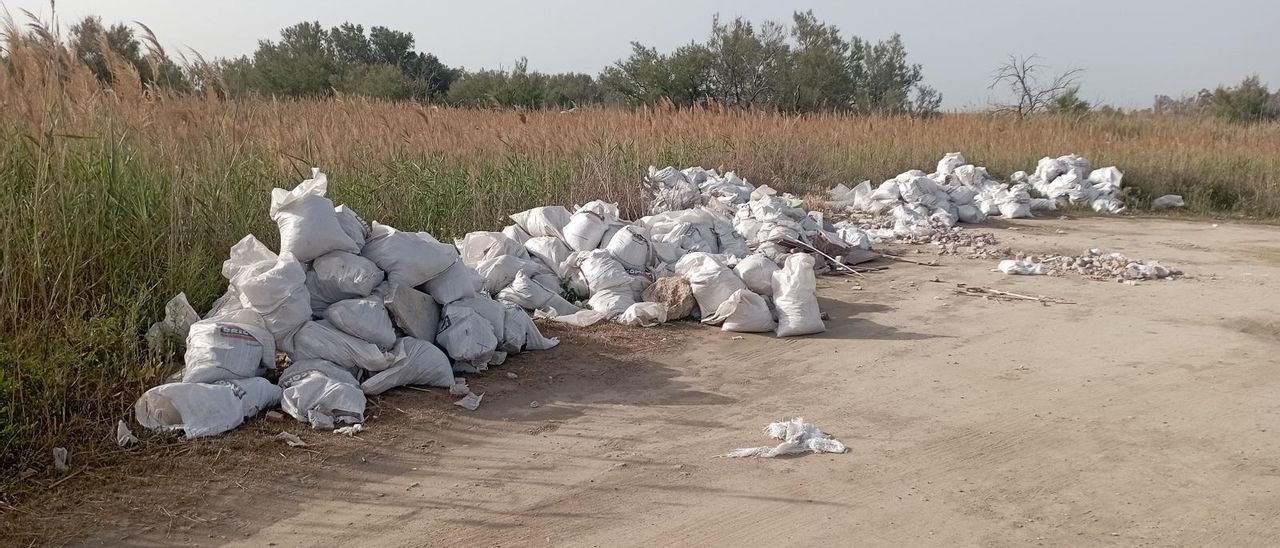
(1025, 267)
(478, 246)
(233, 346)
(273, 286)
(712, 284)
(339, 275)
(179, 316)
(466, 336)
(672, 190)
(743, 312)
(410, 258)
(499, 272)
(456, 282)
(321, 394)
(543, 221)
(414, 312)
(528, 294)
(795, 297)
(204, 409)
(1168, 201)
(550, 251)
(756, 271)
(308, 222)
(584, 231)
(417, 362)
(320, 340)
(366, 318)
(520, 333)
(630, 246)
(644, 314)
(352, 225)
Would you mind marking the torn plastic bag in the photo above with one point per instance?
(366, 318)
(795, 297)
(949, 162)
(582, 318)
(528, 294)
(417, 362)
(410, 258)
(970, 214)
(321, 394)
(234, 346)
(466, 336)
(179, 316)
(644, 314)
(543, 221)
(320, 340)
(630, 246)
(478, 246)
(756, 271)
(456, 282)
(797, 437)
(1167, 201)
(351, 223)
(204, 409)
(414, 312)
(520, 333)
(338, 276)
(308, 222)
(1026, 267)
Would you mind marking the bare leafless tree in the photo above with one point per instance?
(1023, 77)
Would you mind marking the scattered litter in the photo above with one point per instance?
(61, 459)
(459, 387)
(534, 404)
(798, 437)
(511, 375)
(274, 415)
(470, 402)
(1092, 264)
(291, 439)
(124, 436)
(998, 295)
(350, 430)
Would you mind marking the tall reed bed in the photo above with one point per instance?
(114, 198)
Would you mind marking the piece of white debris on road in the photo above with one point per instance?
(797, 437)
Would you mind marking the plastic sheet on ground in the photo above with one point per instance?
(797, 437)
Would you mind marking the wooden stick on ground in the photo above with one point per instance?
(989, 293)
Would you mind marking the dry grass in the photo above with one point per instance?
(112, 199)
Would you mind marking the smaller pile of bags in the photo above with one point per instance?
(345, 310)
(960, 192)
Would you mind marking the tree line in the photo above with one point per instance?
(807, 66)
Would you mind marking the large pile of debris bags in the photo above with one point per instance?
(347, 309)
(961, 192)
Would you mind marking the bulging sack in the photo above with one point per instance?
(320, 340)
(352, 225)
(308, 223)
(756, 271)
(417, 362)
(644, 314)
(273, 286)
(743, 312)
(543, 221)
(630, 246)
(548, 250)
(795, 297)
(712, 284)
(528, 294)
(584, 230)
(413, 311)
(321, 394)
(204, 409)
(466, 336)
(409, 258)
(233, 346)
(456, 282)
(366, 318)
(338, 276)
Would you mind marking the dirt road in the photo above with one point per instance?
(1144, 415)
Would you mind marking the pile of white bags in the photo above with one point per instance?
(355, 311)
(960, 192)
(723, 235)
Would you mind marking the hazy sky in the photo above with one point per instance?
(1131, 50)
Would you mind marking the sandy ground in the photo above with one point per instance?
(1143, 415)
